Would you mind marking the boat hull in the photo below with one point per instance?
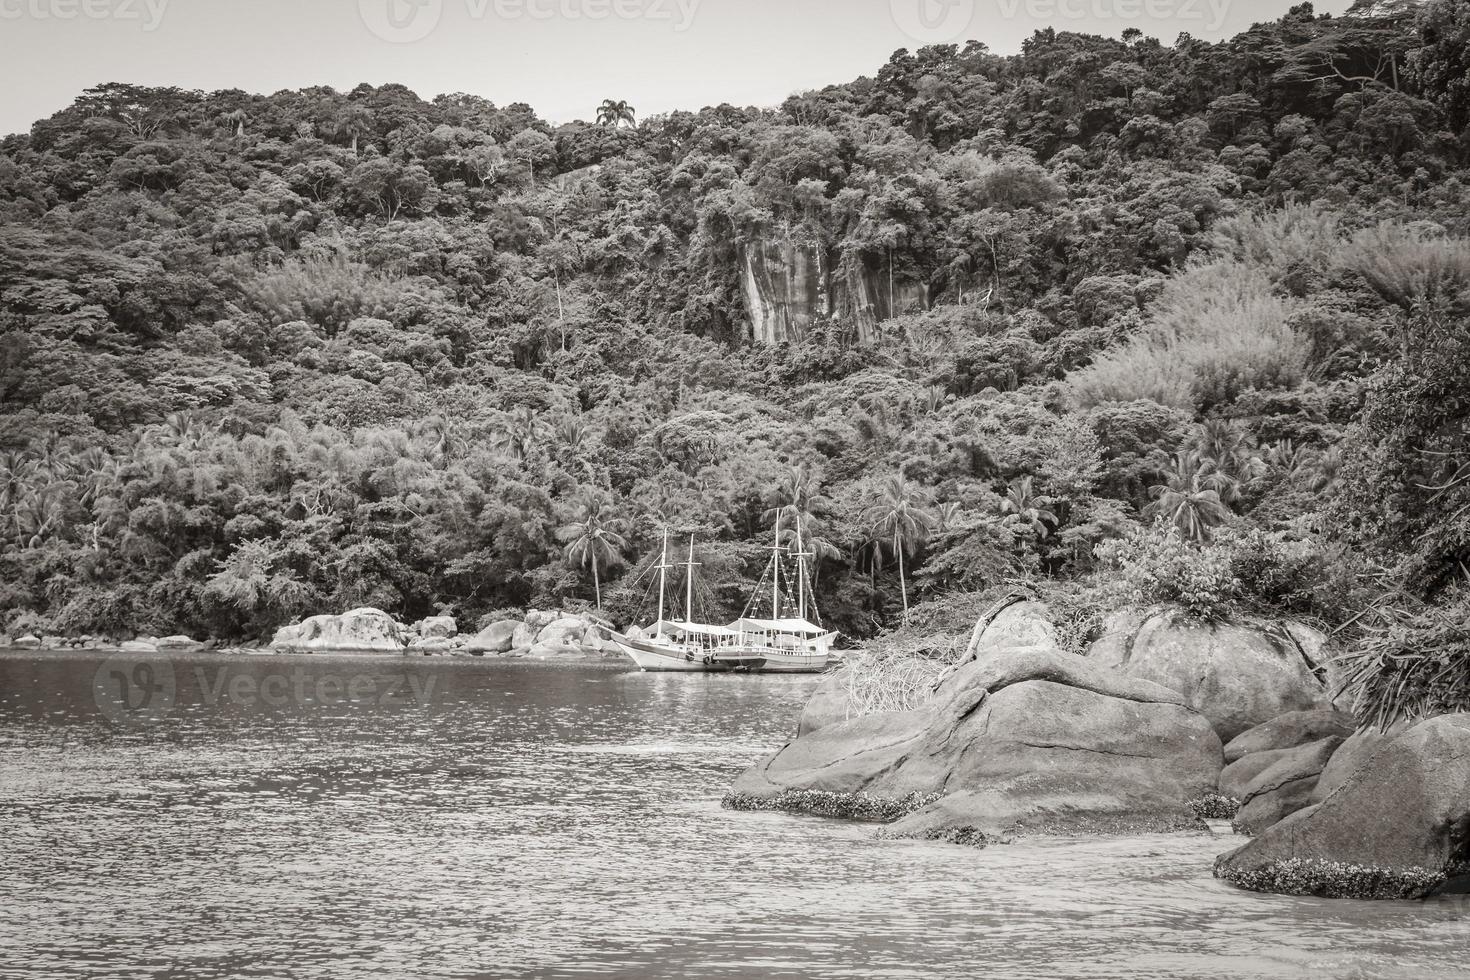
(656, 658)
(786, 661)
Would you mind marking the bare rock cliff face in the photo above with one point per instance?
(788, 287)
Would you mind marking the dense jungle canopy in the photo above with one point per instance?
(1193, 317)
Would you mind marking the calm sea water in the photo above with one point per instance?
(258, 817)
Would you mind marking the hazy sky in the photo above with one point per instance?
(561, 56)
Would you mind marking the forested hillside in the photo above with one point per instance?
(1194, 315)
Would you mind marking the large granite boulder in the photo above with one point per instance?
(1237, 676)
(358, 631)
(179, 644)
(1350, 757)
(539, 619)
(829, 705)
(495, 638)
(1023, 738)
(1398, 827)
(1283, 787)
(1238, 775)
(524, 637)
(437, 628)
(564, 632)
(1290, 730)
(27, 642)
(595, 641)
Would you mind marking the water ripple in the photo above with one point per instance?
(536, 822)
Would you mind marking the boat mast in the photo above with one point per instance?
(689, 584)
(663, 570)
(801, 557)
(776, 572)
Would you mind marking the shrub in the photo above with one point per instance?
(1276, 573)
(1242, 569)
(1413, 664)
(1213, 334)
(1158, 566)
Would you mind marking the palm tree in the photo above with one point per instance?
(1229, 448)
(593, 540)
(948, 516)
(797, 503)
(573, 438)
(1186, 501)
(1326, 467)
(1023, 505)
(351, 123)
(518, 434)
(236, 120)
(615, 113)
(900, 520)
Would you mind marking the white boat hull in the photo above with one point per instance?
(651, 658)
(657, 657)
(787, 661)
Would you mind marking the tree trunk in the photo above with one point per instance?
(903, 585)
(597, 586)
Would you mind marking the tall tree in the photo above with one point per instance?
(900, 521)
(1186, 502)
(615, 113)
(593, 540)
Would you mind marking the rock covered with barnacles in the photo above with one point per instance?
(1021, 738)
(1397, 827)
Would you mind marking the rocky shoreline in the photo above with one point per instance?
(1165, 724)
(540, 636)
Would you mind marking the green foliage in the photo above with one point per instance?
(1159, 566)
(1242, 570)
(1441, 66)
(1214, 333)
(1411, 664)
(1404, 486)
(269, 355)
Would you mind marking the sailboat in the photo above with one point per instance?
(784, 643)
(683, 645)
(788, 642)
